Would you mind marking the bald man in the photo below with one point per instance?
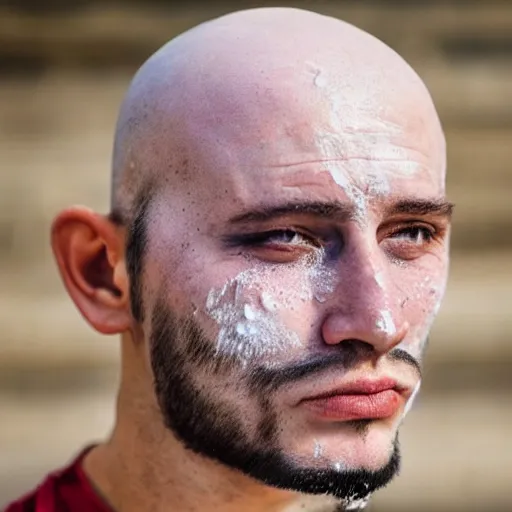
(275, 255)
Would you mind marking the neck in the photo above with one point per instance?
(144, 467)
(132, 474)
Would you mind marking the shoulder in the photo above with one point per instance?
(25, 504)
(45, 497)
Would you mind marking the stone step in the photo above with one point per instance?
(457, 454)
(463, 52)
(105, 21)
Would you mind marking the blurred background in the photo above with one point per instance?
(63, 69)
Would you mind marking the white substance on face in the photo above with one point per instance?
(249, 313)
(338, 466)
(385, 323)
(377, 185)
(324, 283)
(363, 176)
(245, 331)
(352, 504)
(247, 308)
(317, 451)
(437, 293)
(379, 279)
(267, 302)
(319, 80)
(409, 403)
(358, 145)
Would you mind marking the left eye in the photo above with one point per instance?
(417, 234)
(285, 236)
(279, 236)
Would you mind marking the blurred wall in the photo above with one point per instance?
(63, 69)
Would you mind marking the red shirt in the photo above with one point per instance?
(66, 490)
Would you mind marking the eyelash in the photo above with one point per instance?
(262, 239)
(428, 233)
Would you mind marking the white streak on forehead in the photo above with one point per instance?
(359, 147)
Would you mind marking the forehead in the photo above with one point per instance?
(311, 149)
(302, 129)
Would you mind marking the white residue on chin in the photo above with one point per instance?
(317, 451)
(356, 504)
(385, 323)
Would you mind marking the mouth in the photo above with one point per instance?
(358, 400)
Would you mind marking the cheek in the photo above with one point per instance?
(420, 303)
(266, 313)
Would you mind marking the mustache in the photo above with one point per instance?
(271, 379)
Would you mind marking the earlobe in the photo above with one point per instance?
(89, 251)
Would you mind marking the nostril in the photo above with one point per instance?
(357, 349)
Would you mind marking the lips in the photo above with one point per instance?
(359, 400)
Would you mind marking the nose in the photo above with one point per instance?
(364, 307)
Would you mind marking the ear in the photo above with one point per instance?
(89, 250)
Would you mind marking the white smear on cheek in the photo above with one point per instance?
(248, 307)
(385, 323)
(249, 313)
(246, 331)
(268, 303)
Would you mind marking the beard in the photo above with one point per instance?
(180, 351)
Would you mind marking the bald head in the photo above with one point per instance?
(275, 79)
(280, 175)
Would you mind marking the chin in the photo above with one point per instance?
(364, 444)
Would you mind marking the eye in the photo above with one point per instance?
(411, 242)
(276, 237)
(419, 235)
(278, 245)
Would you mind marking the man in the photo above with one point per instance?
(275, 256)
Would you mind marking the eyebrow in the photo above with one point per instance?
(438, 207)
(327, 210)
(341, 212)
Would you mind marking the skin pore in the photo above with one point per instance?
(279, 230)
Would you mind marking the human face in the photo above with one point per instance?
(289, 301)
